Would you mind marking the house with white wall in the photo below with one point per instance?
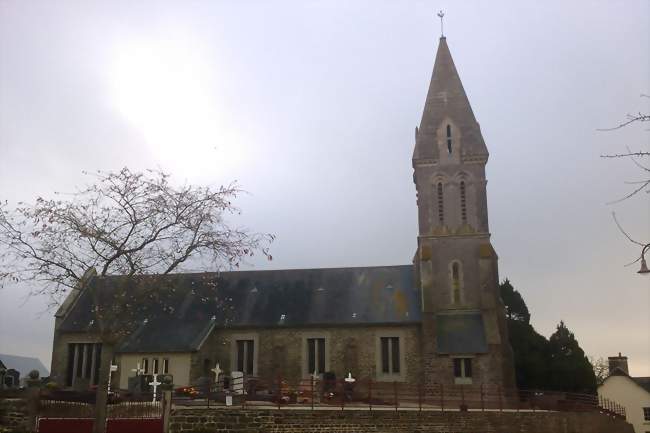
(633, 393)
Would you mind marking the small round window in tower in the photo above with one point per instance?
(449, 139)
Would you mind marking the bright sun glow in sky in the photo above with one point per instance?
(160, 87)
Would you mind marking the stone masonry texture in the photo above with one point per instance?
(298, 421)
(282, 351)
(13, 414)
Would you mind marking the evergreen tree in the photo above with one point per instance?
(516, 308)
(557, 364)
(530, 351)
(570, 368)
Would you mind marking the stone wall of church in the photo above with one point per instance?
(439, 369)
(283, 351)
(479, 291)
(428, 176)
(58, 370)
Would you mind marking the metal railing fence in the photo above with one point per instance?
(370, 394)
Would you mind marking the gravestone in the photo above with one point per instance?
(155, 383)
(167, 381)
(237, 382)
(138, 384)
(12, 378)
(204, 384)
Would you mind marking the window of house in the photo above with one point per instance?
(449, 139)
(145, 365)
(463, 203)
(441, 210)
(646, 413)
(463, 370)
(245, 356)
(165, 366)
(390, 356)
(316, 355)
(154, 366)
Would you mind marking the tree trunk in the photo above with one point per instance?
(101, 398)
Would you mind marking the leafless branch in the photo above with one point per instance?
(635, 191)
(631, 118)
(123, 223)
(623, 155)
(620, 228)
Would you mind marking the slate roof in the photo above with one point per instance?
(192, 304)
(23, 364)
(643, 382)
(446, 98)
(459, 333)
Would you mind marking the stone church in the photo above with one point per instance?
(437, 320)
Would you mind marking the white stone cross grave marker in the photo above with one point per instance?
(217, 371)
(111, 370)
(138, 370)
(155, 385)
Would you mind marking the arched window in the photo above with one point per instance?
(455, 282)
(449, 139)
(463, 202)
(441, 204)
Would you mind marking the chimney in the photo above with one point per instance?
(619, 362)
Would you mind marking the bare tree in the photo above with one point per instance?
(601, 369)
(132, 224)
(639, 159)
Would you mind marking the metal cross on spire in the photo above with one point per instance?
(441, 14)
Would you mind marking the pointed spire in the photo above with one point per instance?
(447, 101)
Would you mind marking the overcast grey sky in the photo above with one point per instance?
(312, 105)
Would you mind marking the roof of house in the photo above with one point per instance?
(176, 312)
(643, 382)
(23, 364)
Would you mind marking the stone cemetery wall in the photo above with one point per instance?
(13, 414)
(354, 421)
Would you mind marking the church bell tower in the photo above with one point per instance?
(464, 334)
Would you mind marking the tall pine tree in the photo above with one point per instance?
(556, 364)
(569, 367)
